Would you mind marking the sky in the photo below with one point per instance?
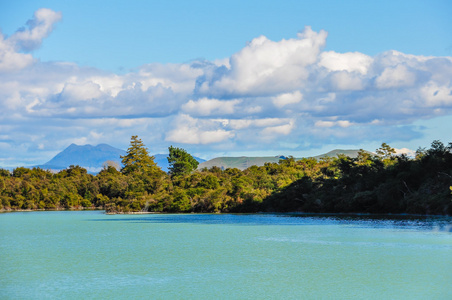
(223, 78)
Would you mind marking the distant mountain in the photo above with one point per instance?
(89, 157)
(93, 158)
(245, 162)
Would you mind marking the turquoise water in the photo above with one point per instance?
(90, 255)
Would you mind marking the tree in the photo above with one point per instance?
(180, 162)
(385, 151)
(437, 149)
(137, 159)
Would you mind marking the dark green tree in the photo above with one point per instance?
(180, 162)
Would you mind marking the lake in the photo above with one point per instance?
(91, 255)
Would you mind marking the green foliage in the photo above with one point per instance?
(385, 151)
(181, 202)
(387, 154)
(209, 182)
(180, 162)
(137, 159)
(382, 183)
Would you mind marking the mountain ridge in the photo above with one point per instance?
(93, 158)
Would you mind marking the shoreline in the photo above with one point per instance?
(294, 213)
(133, 213)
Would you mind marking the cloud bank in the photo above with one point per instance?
(287, 95)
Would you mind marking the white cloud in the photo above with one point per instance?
(10, 60)
(394, 77)
(269, 94)
(186, 135)
(208, 107)
(265, 66)
(181, 78)
(346, 81)
(110, 84)
(328, 124)
(38, 28)
(193, 131)
(437, 95)
(408, 152)
(238, 124)
(287, 98)
(281, 129)
(350, 61)
(25, 40)
(81, 91)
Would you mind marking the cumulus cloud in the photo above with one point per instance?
(436, 95)
(279, 130)
(394, 77)
(208, 107)
(81, 91)
(328, 124)
(265, 66)
(192, 131)
(11, 58)
(350, 62)
(287, 94)
(287, 98)
(346, 81)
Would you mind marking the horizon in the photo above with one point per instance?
(223, 79)
(205, 159)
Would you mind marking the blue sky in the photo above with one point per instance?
(223, 77)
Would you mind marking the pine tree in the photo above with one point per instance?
(138, 159)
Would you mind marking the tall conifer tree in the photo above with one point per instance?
(138, 159)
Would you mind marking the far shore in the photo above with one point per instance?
(358, 214)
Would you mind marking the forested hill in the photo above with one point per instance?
(241, 163)
(368, 183)
(244, 162)
(352, 153)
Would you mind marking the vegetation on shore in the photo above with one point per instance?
(382, 183)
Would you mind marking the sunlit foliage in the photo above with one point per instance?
(381, 183)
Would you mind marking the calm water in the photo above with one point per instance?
(90, 255)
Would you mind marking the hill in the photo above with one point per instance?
(334, 153)
(241, 163)
(244, 162)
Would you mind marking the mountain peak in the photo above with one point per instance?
(86, 156)
(72, 146)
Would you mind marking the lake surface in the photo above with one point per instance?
(90, 255)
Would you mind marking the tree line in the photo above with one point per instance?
(380, 183)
